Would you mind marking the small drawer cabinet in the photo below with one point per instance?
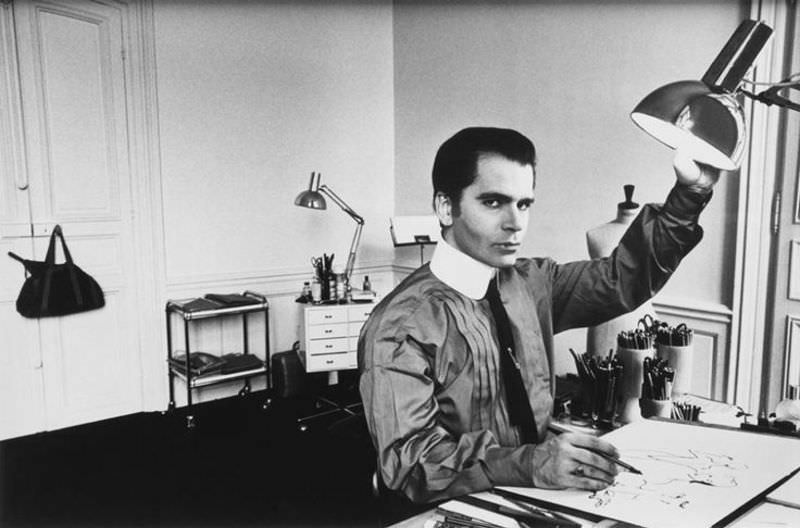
(330, 336)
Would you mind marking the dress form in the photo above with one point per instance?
(601, 241)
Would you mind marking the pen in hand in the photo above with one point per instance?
(614, 460)
(557, 429)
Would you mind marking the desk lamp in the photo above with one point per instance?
(704, 118)
(313, 199)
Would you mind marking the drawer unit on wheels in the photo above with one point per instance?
(330, 344)
(331, 336)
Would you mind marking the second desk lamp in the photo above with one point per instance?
(313, 198)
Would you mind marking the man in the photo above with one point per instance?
(450, 410)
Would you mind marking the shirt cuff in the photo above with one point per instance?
(687, 202)
(510, 466)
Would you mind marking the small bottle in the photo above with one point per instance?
(789, 407)
(367, 286)
(340, 286)
(332, 285)
(316, 290)
(306, 291)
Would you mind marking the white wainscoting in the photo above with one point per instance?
(792, 353)
(711, 324)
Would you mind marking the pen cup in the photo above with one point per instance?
(658, 408)
(680, 358)
(583, 405)
(604, 409)
(631, 388)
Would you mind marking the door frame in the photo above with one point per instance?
(750, 382)
(145, 170)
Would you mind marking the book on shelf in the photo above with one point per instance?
(227, 300)
(200, 304)
(200, 364)
(240, 362)
(203, 364)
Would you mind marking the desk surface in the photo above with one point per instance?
(762, 514)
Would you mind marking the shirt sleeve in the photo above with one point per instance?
(591, 292)
(417, 454)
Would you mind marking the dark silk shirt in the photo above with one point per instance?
(428, 357)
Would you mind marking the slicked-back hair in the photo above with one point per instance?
(456, 164)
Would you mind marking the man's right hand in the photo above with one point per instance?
(564, 462)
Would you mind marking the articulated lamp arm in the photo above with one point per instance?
(351, 257)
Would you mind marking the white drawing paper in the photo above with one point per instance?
(692, 476)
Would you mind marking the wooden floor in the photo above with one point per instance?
(240, 466)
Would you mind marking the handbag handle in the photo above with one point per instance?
(50, 259)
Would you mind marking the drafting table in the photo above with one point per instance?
(696, 475)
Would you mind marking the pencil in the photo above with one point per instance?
(557, 429)
(614, 460)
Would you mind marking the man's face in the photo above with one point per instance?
(493, 212)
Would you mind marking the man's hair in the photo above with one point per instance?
(456, 163)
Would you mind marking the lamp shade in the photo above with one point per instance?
(311, 199)
(689, 116)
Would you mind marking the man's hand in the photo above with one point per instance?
(698, 176)
(562, 462)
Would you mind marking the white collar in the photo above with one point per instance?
(460, 271)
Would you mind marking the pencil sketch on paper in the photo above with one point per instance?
(668, 476)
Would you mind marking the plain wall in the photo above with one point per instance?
(567, 74)
(253, 97)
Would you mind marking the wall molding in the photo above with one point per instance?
(791, 368)
(281, 280)
(712, 327)
(691, 309)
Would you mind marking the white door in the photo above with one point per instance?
(75, 143)
(21, 389)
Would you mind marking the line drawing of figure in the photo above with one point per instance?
(669, 476)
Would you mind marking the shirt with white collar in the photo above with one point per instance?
(428, 356)
(461, 272)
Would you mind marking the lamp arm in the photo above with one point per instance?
(341, 203)
(351, 257)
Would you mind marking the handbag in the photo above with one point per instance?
(52, 289)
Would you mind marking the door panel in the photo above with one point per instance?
(21, 389)
(14, 208)
(73, 95)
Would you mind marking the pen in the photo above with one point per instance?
(556, 429)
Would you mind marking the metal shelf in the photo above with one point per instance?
(177, 307)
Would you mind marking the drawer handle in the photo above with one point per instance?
(328, 346)
(329, 362)
(327, 316)
(328, 331)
